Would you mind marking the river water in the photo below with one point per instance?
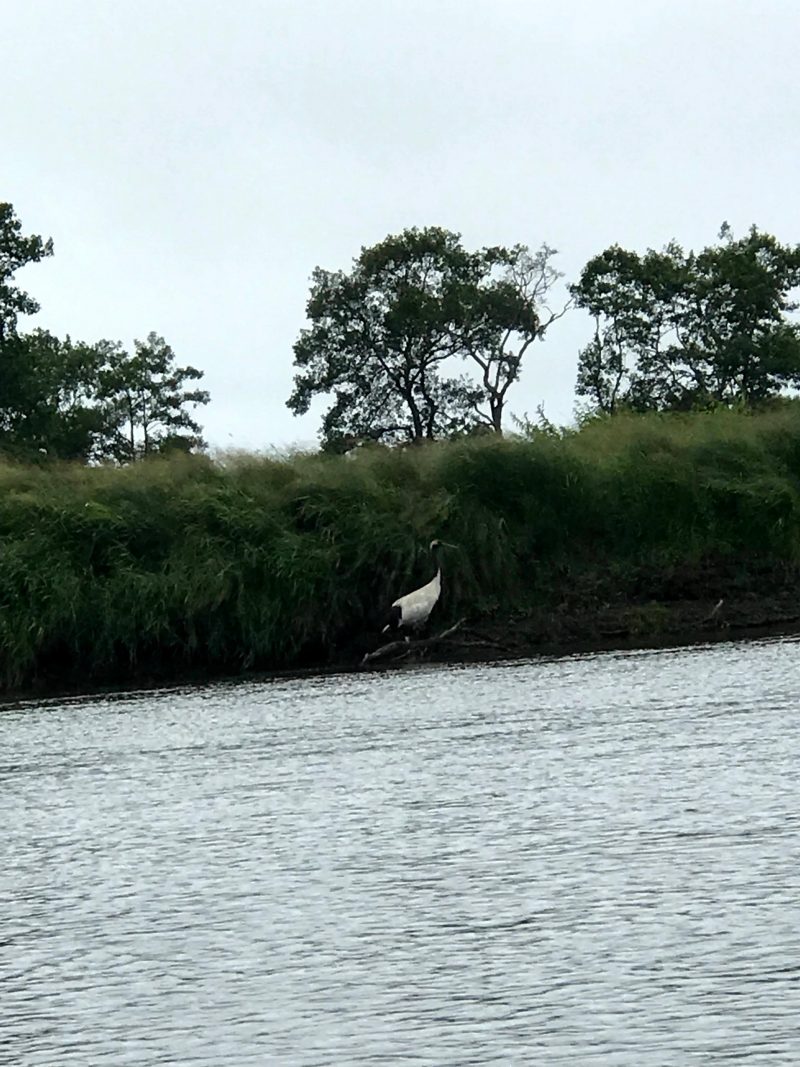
(590, 860)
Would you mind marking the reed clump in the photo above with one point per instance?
(110, 573)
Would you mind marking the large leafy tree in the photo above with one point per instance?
(46, 384)
(735, 324)
(388, 338)
(678, 331)
(143, 399)
(16, 380)
(49, 388)
(16, 251)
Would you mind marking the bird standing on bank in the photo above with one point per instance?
(410, 612)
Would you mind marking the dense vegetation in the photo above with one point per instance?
(688, 331)
(86, 401)
(127, 553)
(390, 340)
(423, 339)
(110, 573)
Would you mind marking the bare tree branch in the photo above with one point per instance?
(406, 647)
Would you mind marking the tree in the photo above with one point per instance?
(678, 331)
(49, 388)
(79, 401)
(16, 251)
(502, 315)
(378, 339)
(386, 338)
(630, 360)
(17, 388)
(143, 401)
(733, 323)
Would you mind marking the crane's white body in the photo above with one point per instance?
(416, 607)
(410, 612)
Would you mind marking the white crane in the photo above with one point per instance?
(411, 611)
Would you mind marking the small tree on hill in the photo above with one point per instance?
(144, 400)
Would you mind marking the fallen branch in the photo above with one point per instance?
(714, 612)
(407, 647)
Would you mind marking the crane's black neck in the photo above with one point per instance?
(437, 558)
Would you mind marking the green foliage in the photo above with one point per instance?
(250, 562)
(16, 251)
(381, 335)
(72, 400)
(143, 401)
(501, 316)
(48, 388)
(676, 331)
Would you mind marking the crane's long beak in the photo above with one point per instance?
(447, 544)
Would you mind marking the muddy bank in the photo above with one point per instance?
(674, 606)
(652, 625)
(569, 628)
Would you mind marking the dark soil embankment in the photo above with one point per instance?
(698, 604)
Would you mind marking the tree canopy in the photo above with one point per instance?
(389, 339)
(679, 331)
(74, 400)
(48, 396)
(143, 400)
(423, 338)
(16, 251)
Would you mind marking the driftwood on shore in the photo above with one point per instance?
(398, 650)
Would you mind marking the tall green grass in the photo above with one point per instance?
(275, 562)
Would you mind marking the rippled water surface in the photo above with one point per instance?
(592, 860)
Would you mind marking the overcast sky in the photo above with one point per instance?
(194, 160)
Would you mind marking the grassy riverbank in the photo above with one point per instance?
(120, 575)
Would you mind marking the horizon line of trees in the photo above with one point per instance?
(79, 401)
(423, 339)
(673, 331)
